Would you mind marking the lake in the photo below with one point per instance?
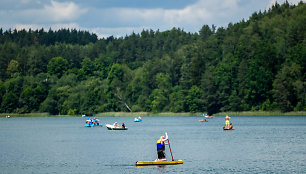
(63, 145)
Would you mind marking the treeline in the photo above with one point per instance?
(26, 38)
(256, 64)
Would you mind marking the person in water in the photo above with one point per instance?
(227, 122)
(161, 148)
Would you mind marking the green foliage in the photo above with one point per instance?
(57, 66)
(258, 65)
(194, 102)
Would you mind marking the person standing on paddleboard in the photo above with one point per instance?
(227, 122)
(161, 148)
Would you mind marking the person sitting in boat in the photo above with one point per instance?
(115, 124)
(139, 118)
(227, 122)
(123, 125)
(161, 148)
(96, 118)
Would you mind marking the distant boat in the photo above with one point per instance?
(139, 119)
(92, 122)
(207, 116)
(85, 115)
(112, 127)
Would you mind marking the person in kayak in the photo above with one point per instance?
(227, 122)
(161, 148)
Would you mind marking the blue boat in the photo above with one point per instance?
(139, 119)
(92, 122)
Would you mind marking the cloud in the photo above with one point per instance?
(65, 11)
(191, 17)
(55, 12)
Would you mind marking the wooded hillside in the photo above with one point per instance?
(256, 64)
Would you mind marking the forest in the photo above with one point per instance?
(256, 64)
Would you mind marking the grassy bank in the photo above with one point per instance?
(169, 114)
(262, 113)
(162, 114)
(145, 114)
(43, 114)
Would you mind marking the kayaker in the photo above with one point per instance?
(227, 122)
(161, 148)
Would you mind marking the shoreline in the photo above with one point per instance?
(162, 114)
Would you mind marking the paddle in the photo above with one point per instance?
(169, 146)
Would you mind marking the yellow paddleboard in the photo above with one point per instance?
(151, 163)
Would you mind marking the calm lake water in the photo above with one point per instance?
(64, 145)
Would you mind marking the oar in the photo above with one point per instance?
(169, 147)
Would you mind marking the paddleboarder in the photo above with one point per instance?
(161, 148)
(227, 122)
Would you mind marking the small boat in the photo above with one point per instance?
(158, 163)
(91, 122)
(112, 127)
(85, 115)
(207, 116)
(137, 120)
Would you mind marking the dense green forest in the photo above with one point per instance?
(255, 65)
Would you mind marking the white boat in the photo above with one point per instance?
(112, 127)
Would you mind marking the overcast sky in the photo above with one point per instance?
(122, 17)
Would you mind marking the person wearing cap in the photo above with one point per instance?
(161, 148)
(115, 124)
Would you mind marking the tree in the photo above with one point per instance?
(194, 100)
(13, 68)
(289, 88)
(205, 32)
(57, 66)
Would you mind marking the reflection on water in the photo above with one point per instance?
(64, 145)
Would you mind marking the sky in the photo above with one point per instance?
(123, 17)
